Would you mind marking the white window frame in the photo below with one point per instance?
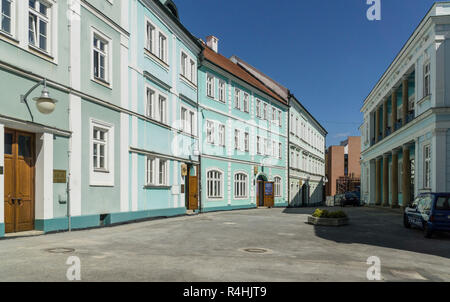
(210, 83)
(222, 91)
(188, 120)
(280, 150)
(108, 60)
(150, 171)
(164, 172)
(237, 139)
(241, 187)
(265, 116)
(214, 184)
(246, 141)
(246, 102)
(189, 72)
(222, 134)
(237, 98)
(427, 78)
(150, 47)
(44, 18)
(150, 103)
(278, 186)
(102, 177)
(12, 18)
(258, 145)
(210, 132)
(162, 118)
(163, 56)
(258, 108)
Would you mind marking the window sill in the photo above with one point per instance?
(212, 199)
(101, 82)
(425, 98)
(9, 37)
(188, 82)
(42, 53)
(157, 187)
(156, 59)
(101, 171)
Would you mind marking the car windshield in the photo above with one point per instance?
(443, 203)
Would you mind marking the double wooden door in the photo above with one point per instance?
(19, 181)
(192, 188)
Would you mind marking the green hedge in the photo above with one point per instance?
(326, 214)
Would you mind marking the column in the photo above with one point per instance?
(385, 180)
(378, 182)
(385, 116)
(394, 109)
(44, 176)
(377, 124)
(406, 179)
(404, 99)
(438, 160)
(394, 179)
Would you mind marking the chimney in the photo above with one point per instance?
(212, 43)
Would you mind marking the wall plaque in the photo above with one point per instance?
(59, 176)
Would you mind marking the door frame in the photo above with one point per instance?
(16, 133)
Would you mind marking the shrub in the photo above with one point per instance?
(325, 214)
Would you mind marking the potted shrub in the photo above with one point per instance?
(324, 217)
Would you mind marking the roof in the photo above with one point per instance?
(266, 80)
(227, 65)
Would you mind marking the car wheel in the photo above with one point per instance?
(426, 231)
(406, 222)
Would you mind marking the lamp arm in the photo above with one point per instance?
(23, 98)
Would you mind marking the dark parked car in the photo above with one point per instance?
(430, 212)
(351, 198)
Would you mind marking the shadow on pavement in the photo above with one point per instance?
(379, 227)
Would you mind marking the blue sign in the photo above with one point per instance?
(268, 189)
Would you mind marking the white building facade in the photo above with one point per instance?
(405, 135)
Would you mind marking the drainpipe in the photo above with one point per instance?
(288, 148)
(69, 174)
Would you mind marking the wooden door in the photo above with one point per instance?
(269, 197)
(193, 188)
(260, 193)
(19, 181)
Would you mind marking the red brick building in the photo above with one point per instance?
(342, 163)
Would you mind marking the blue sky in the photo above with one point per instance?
(326, 52)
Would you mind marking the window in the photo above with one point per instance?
(236, 139)
(210, 132)
(6, 15)
(101, 154)
(150, 171)
(187, 121)
(38, 23)
(265, 112)
(277, 186)
(443, 203)
(237, 99)
(100, 51)
(274, 115)
(427, 166)
(162, 103)
(214, 183)
(258, 145)
(246, 141)
(210, 86)
(279, 118)
(258, 108)
(221, 91)
(266, 146)
(426, 79)
(162, 47)
(222, 135)
(274, 149)
(246, 102)
(292, 123)
(280, 148)
(162, 172)
(150, 106)
(296, 130)
(150, 45)
(240, 185)
(99, 145)
(188, 67)
(298, 160)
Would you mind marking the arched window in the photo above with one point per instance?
(277, 187)
(240, 185)
(214, 180)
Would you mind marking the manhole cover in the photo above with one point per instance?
(60, 250)
(255, 250)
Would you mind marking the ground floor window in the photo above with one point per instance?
(277, 186)
(240, 185)
(214, 180)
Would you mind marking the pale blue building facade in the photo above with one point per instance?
(243, 136)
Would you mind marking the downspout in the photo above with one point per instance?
(288, 149)
(69, 152)
(200, 192)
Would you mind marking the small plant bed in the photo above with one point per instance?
(327, 218)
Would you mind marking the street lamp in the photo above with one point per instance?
(44, 104)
